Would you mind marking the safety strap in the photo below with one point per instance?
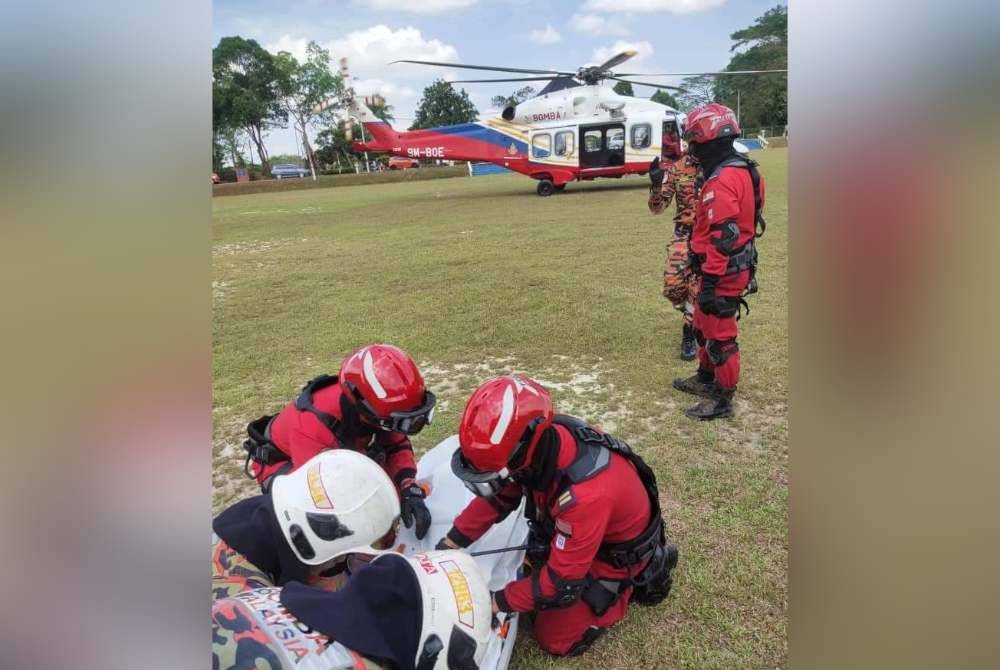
(742, 260)
(304, 403)
(760, 224)
(637, 550)
(259, 447)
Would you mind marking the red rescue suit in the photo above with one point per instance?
(610, 507)
(301, 434)
(725, 222)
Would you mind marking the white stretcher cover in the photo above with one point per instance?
(448, 497)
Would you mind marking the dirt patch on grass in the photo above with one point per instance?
(254, 247)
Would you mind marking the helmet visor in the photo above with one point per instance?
(482, 484)
(408, 423)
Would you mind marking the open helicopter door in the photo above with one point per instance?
(602, 146)
(448, 496)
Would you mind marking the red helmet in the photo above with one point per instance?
(711, 122)
(671, 145)
(500, 428)
(387, 388)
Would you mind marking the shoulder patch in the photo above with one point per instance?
(566, 500)
(564, 527)
(708, 196)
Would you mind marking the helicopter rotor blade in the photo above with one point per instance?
(646, 83)
(692, 74)
(482, 81)
(485, 67)
(617, 60)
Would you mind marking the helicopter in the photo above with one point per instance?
(574, 129)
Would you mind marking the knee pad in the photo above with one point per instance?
(719, 351)
(585, 642)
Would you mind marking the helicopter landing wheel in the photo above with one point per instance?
(546, 187)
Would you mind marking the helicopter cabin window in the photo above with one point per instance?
(616, 139)
(541, 145)
(592, 141)
(564, 143)
(641, 135)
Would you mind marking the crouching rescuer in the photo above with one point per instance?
(598, 538)
(372, 406)
(728, 219)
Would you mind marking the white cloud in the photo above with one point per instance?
(376, 46)
(548, 36)
(644, 48)
(672, 6)
(369, 53)
(419, 6)
(595, 24)
(296, 47)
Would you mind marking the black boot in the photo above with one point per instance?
(689, 346)
(718, 407)
(702, 383)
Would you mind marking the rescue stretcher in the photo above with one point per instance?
(285, 644)
(448, 497)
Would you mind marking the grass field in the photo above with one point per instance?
(479, 276)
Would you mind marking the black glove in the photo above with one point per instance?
(538, 548)
(413, 509)
(709, 302)
(443, 544)
(656, 173)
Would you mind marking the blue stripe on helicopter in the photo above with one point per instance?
(474, 131)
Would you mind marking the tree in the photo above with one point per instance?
(664, 98)
(333, 145)
(380, 108)
(762, 99)
(698, 91)
(304, 86)
(441, 105)
(624, 88)
(227, 141)
(514, 99)
(246, 94)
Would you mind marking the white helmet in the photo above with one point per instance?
(338, 502)
(457, 610)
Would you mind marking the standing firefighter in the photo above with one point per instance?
(597, 534)
(724, 256)
(372, 406)
(674, 179)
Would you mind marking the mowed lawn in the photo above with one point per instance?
(476, 277)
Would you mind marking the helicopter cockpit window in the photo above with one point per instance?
(616, 139)
(641, 135)
(592, 141)
(564, 143)
(541, 146)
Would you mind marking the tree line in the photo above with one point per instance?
(762, 100)
(255, 91)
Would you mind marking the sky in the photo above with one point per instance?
(670, 36)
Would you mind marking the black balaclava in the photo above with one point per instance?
(378, 613)
(711, 154)
(251, 528)
(538, 475)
